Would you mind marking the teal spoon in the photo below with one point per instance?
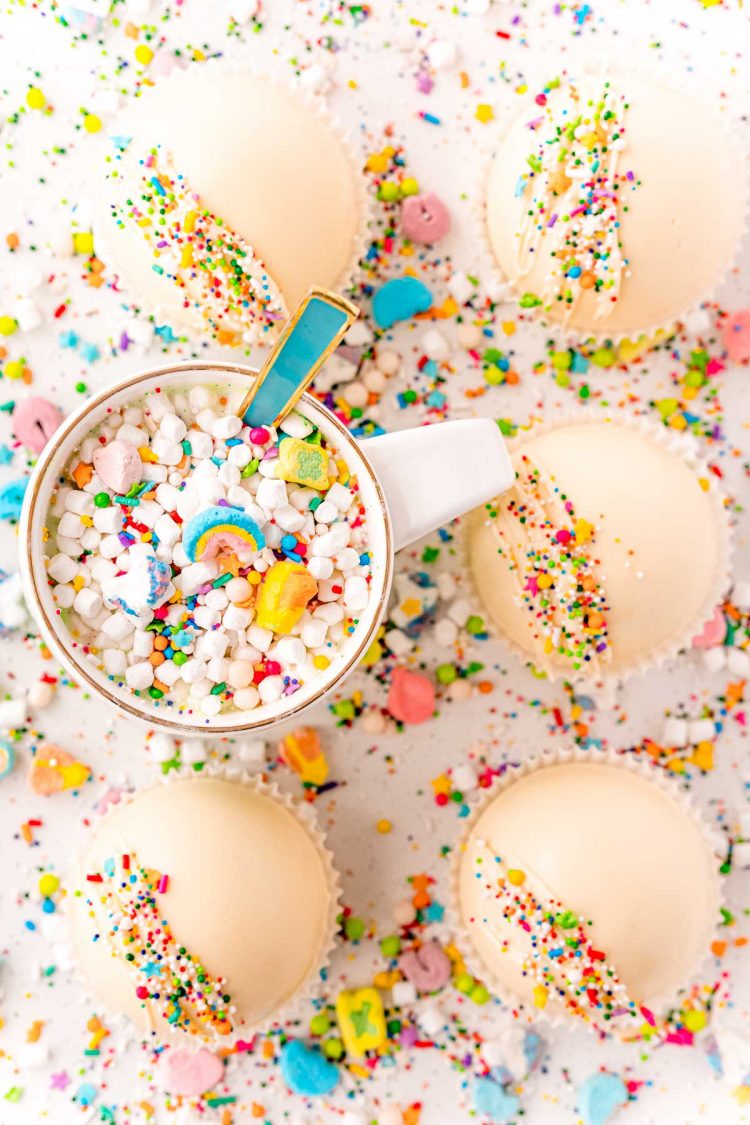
(316, 328)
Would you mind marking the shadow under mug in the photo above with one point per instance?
(410, 482)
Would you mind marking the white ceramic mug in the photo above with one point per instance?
(411, 482)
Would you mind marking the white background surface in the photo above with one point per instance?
(374, 87)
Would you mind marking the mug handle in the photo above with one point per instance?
(431, 474)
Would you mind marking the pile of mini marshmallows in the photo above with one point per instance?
(233, 624)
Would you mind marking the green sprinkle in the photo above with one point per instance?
(390, 946)
(250, 468)
(217, 689)
(332, 1048)
(354, 928)
(101, 500)
(446, 673)
(319, 1024)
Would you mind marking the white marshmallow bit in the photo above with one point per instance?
(87, 602)
(115, 661)
(172, 428)
(271, 494)
(140, 676)
(271, 689)
(356, 593)
(62, 568)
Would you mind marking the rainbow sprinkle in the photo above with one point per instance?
(165, 974)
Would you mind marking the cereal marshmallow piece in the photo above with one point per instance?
(361, 1020)
(303, 463)
(284, 594)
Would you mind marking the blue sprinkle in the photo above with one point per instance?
(158, 185)
(288, 543)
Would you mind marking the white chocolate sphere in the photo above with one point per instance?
(259, 156)
(612, 846)
(657, 552)
(683, 219)
(250, 894)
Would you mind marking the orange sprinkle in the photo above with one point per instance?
(13, 241)
(485, 686)
(718, 948)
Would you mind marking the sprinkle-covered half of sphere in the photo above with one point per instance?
(586, 890)
(607, 554)
(614, 203)
(202, 907)
(227, 196)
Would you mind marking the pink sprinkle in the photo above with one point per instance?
(163, 884)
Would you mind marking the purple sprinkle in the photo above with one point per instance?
(553, 220)
(424, 83)
(125, 539)
(629, 176)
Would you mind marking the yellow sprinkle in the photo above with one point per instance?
(321, 662)
(190, 221)
(484, 113)
(92, 123)
(87, 521)
(35, 99)
(583, 530)
(8, 325)
(378, 162)
(516, 877)
(540, 996)
(704, 483)
(14, 369)
(509, 327)
(187, 256)
(384, 827)
(544, 581)
(143, 54)
(83, 242)
(78, 582)
(695, 1020)
(146, 455)
(48, 884)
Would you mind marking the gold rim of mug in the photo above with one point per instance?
(57, 642)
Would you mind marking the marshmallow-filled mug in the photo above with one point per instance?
(211, 577)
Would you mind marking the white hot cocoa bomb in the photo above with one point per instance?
(264, 161)
(655, 555)
(668, 180)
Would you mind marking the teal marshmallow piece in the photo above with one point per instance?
(11, 499)
(600, 1096)
(306, 1071)
(209, 530)
(317, 328)
(400, 299)
(492, 1100)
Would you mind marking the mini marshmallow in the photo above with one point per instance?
(172, 428)
(271, 494)
(675, 732)
(62, 568)
(340, 496)
(701, 730)
(270, 689)
(356, 593)
(331, 542)
(167, 530)
(108, 521)
(115, 661)
(87, 602)
(70, 526)
(139, 676)
(227, 427)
